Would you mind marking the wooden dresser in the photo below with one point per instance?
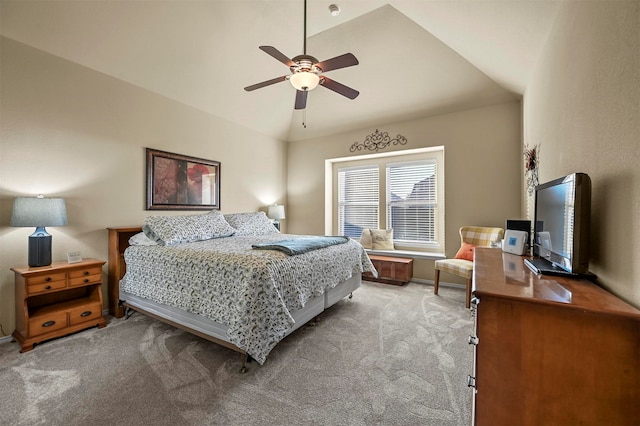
(55, 300)
(550, 350)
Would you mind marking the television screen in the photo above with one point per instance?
(562, 222)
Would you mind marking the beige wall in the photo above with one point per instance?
(70, 132)
(583, 107)
(483, 168)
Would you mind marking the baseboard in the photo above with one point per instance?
(442, 283)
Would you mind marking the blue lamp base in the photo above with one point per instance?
(40, 248)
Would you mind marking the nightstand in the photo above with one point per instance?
(56, 300)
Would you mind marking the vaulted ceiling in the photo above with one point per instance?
(417, 57)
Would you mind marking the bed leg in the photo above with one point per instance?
(128, 312)
(245, 360)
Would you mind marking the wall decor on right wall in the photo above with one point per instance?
(378, 140)
(531, 165)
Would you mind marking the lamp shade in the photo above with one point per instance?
(38, 212)
(276, 212)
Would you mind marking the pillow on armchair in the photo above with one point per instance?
(466, 252)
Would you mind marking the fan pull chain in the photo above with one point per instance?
(304, 118)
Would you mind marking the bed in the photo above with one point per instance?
(219, 282)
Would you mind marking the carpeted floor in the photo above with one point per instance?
(389, 356)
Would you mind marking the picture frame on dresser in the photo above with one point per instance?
(181, 182)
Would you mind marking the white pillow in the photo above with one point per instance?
(252, 223)
(382, 239)
(365, 239)
(140, 239)
(172, 230)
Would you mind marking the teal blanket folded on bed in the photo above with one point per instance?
(302, 244)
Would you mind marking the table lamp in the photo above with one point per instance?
(276, 212)
(39, 212)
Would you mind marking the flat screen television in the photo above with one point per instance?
(563, 222)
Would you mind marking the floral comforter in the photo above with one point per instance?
(251, 291)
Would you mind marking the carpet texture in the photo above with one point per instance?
(388, 356)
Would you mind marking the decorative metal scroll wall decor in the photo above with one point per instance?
(378, 140)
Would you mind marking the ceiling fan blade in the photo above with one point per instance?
(339, 88)
(342, 61)
(265, 83)
(270, 50)
(301, 99)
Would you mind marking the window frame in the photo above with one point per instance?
(382, 159)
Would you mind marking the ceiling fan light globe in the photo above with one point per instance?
(304, 80)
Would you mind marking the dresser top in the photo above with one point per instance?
(505, 275)
(58, 266)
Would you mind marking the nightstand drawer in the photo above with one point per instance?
(85, 276)
(45, 287)
(85, 313)
(46, 323)
(44, 282)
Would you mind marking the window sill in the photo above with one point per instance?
(408, 254)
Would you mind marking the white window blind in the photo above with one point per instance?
(412, 202)
(358, 200)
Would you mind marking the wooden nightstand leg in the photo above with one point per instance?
(24, 345)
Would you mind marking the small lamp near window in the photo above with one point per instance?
(276, 213)
(39, 212)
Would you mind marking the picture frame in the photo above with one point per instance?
(74, 257)
(181, 182)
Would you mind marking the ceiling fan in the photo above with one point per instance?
(307, 72)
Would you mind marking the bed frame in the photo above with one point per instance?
(192, 323)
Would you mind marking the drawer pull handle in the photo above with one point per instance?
(47, 279)
(471, 381)
(48, 287)
(85, 314)
(86, 280)
(86, 272)
(48, 323)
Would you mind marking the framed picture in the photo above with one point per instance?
(179, 182)
(74, 257)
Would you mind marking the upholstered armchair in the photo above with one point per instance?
(462, 265)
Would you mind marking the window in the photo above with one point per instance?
(403, 191)
(358, 200)
(412, 204)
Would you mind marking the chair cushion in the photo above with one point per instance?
(466, 251)
(460, 267)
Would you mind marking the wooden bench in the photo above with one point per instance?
(391, 270)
